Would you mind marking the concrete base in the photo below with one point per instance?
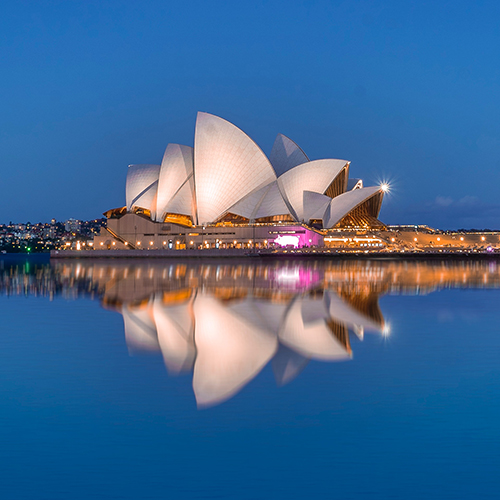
(209, 252)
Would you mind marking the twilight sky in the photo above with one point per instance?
(409, 92)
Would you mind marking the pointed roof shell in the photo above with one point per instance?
(341, 205)
(311, 176)
(286, 154)
(141, 186)
(176, 169)
(228, 165)
(262, 202)
(272, 203)
(315, 205)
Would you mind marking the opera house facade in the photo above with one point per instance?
(226, 193)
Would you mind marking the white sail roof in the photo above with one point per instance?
(313, 176)
(341, 205)
(141, 186)
(228, 165)
(183, 200)
(272, 203)
(354, 184)
(286, 154)
(266, 201)
(247, 206)
(176, 175)
(315, 205)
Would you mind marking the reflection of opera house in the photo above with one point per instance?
(226, 330)
(225, 193)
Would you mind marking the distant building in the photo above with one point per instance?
(72, 226)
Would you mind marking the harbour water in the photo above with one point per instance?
(249, 379)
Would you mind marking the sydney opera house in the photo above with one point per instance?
(226, 193)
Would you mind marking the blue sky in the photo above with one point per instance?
(407, 91)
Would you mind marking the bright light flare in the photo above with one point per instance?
(384, 187)
(285, 240)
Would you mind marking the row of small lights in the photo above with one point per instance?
(192, 242)
(439, 239)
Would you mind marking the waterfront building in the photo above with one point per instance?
(225, 193)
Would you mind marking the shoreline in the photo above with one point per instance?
(236, 253)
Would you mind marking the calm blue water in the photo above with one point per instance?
(286, 401)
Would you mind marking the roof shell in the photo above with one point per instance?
(313, 176)
(315, 205)
(176, 170)
(247, 206)
(261, 202)
(228, 165)
(272, 203)
(141, 186)
(341, 205)
(286, 154)
(354, 184)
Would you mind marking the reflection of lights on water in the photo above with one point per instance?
(296, 278)
(288, 275)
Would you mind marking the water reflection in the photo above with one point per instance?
(225, 321)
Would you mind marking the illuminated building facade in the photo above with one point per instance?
(224, 192)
